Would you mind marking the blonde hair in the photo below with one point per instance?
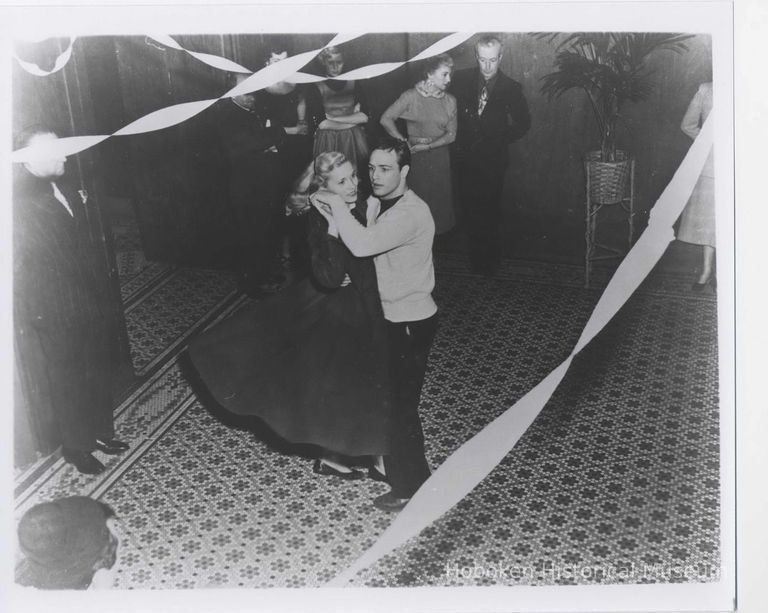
(326, 53)
(325, 164)
(489, 40)
(314, 177)
(435, 63)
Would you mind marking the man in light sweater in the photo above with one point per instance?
(399, 234)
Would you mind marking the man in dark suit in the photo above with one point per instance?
(250, 143)
(492, 113)
(290, 106)
(61, 321)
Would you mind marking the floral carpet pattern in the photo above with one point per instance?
(615, 482)
(177, 307)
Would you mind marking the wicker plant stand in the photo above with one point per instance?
(608, 184)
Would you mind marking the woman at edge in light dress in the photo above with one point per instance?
(697, 223)
(430, 116)
(311, 361)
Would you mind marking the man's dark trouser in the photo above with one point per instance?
(480, 190)
(78, 371)
(409, 344)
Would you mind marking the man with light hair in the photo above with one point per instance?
(492, 113)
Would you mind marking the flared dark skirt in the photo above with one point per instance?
(310, 363)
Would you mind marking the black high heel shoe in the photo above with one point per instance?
(376, 475)
(321, 468)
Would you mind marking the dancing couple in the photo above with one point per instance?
(338, 360)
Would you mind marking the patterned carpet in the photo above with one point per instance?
(617, 479)
(615, 482)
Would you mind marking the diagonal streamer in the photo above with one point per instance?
(475, 459)
(60, 62)
(222, 63)
(285, 70)
(164, 118)
(216, 61)
(443, 45)
(369, 72)
(61, 147)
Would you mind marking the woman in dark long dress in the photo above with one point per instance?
(342, 120)
(311, 361)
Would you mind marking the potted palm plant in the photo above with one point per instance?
(612, 70)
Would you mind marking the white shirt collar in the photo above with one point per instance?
(60, 197)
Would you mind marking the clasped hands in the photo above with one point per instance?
(332, 124)
(325, 202)
(418, 146)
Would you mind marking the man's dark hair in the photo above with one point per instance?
(232, 78)
(401, 149)
(63, 541)
(276, 46)
(23, 137)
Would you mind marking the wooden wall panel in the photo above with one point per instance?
(179, 199)
(178, 187)
(545, 179)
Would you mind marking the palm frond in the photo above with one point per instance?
(636, 47)
(611, 68)
(573, 70)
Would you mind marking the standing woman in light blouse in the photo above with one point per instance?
(430, 116)
(697, 223)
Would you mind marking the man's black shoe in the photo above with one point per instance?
(111, 446)
(388, 502)
(84, 462)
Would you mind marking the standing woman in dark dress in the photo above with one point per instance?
(343, 115)
(311, 361)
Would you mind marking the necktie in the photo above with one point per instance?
(483, 100)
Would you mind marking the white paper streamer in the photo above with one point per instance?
(61, 147)
(60, 62)
(216, 61)
(476, 458)
(285, 70)
(164, 118)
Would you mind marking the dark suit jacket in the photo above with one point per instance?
(65, 331)
(58, 283)
(243, 135)
(482, 140)
(251, 171)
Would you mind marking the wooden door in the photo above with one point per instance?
(179, 181)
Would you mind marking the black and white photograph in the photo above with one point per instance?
(430, 297)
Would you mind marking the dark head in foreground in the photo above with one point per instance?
(65, 542)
